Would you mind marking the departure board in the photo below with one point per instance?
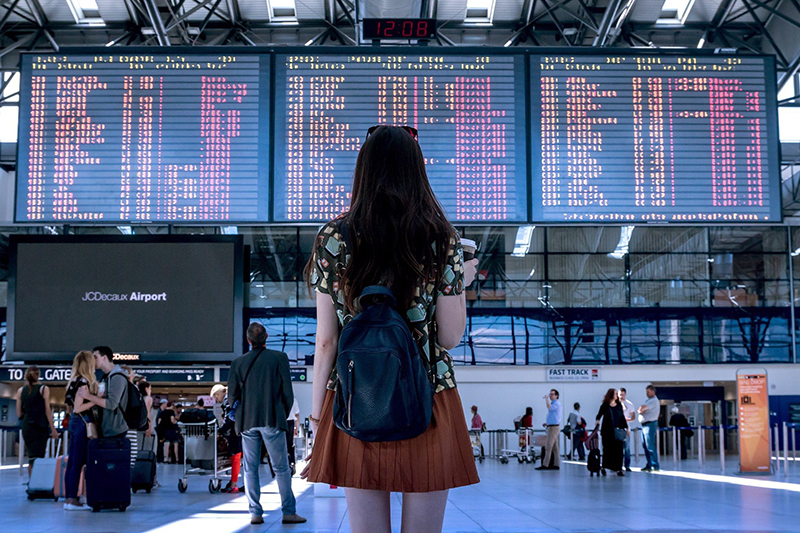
(469, 111)
(166, 137)
(646, 138)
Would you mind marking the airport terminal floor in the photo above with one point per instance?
(510, 498)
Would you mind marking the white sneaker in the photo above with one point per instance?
(73, 507)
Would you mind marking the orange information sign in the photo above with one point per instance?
(754, 448)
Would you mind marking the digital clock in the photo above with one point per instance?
(399, 28)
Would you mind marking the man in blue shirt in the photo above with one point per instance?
(553, 426)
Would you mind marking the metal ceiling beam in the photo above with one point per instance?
(606, 22)
(766, 33)
(24, 41)
(174, 23)
(157, 23)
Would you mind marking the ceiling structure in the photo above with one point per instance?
(746, 26)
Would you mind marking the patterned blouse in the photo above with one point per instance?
(331, 258)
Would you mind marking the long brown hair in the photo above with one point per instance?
(399, 234)
(32, 375)
(609, 397)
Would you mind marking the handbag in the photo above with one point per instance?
(91, 428)
(620, 434)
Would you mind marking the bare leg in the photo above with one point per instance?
(423, 512)
(177, 457)
(369, 511)
(166, 451)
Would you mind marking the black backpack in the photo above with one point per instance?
(134, 409)
(384, 392)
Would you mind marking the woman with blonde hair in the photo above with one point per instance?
(83, 367)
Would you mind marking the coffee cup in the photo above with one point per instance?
(470, 247)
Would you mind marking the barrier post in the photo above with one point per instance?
(776, 440)
(794, 443)
(675, 450)
(636, 440)
(785, 450)
(658, 440)
(701, 445)
(722, 448)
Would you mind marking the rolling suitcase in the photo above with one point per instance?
(43, 477)
(593, 463)
(143, 475)
(59, 488)
(108, 474)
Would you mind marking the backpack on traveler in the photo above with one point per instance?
(384, 392)
(133, 408)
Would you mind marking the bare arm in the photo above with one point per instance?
(18, 397)
(325, 350)
(451, 311)
(451, 320)
(48, 412)
(81, 404)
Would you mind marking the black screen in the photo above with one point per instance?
(469, 110)
(627, 138)
(137, 297)
(143, 137)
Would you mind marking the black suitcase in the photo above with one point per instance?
(593, 463)
(108, 474)
(143, 475)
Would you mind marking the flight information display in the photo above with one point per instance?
(654, 139)
(166, 137)
(469, 111)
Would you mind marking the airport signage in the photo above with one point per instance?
(573, 374)
(297, 374)
(753, 412)
(46, 373)
(151, 374)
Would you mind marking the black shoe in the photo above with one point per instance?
(621, 473)
(628, 469)
(555, 468)
(647, 469)
(603, 471)
(255, 520)
(656, 470)
(542, 468)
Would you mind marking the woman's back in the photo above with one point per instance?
(33, 406)
(333, 258)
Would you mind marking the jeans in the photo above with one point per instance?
(649, 430)
(275, 440)
(577, 444)
(78, 448)
(626, 451)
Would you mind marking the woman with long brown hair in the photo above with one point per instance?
(612, 432)
(33, 408)
(83, 367)
(397, 235)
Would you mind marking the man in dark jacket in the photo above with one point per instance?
(260, 382)
(678, 420)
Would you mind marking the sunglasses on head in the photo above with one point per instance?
(411, 131)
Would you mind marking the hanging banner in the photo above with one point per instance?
(754, 436)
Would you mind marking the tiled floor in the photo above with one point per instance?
(510, 498)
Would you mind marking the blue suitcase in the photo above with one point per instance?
(108, 474)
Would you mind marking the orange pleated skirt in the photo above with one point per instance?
(439, 459)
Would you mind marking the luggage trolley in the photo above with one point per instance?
(528, 442)
(198, 439)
